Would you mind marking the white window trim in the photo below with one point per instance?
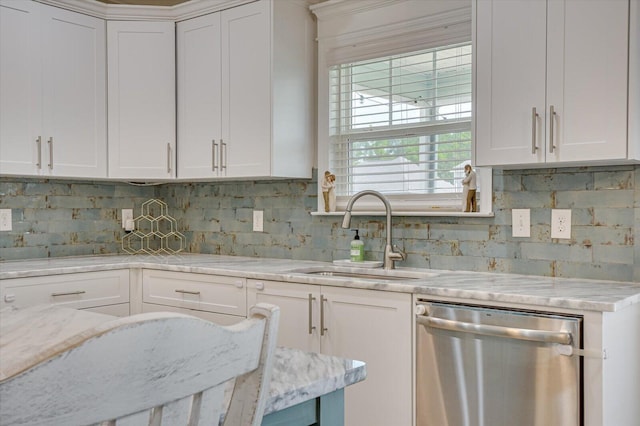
(379, 40)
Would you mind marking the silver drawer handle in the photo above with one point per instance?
(70, 293)
(50, 142)
(311, 326)
(188, 292)
(496, 331)
(323, 329)
(534, 124)
(39, 143)
(552, 115)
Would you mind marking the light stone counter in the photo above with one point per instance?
(580, 294)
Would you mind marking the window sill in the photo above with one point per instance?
(433, 213)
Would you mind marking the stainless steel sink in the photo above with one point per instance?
(366, 273)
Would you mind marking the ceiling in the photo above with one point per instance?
(160, 2)
(145, 2)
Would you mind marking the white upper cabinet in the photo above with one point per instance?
(199, 97)
(53, 85)
(551, 82)
(141, 94)
(245, 84)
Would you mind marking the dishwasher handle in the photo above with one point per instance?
(559, 337)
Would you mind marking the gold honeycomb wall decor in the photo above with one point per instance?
(155, 232)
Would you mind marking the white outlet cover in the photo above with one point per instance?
(521, 223)
(5, 219)
(258, 223)
(561, 223)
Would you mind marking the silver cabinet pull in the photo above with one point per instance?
(50, 142)
(39, 143)
(169, 157)
(214, 148)
(323, 329)
(69, 293)
(197, 293)
(552, 117)
(534, 124)
(223, 155)
(311, 326)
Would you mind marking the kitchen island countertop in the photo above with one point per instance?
(28, 335)
(574, 293)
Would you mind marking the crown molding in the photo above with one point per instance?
(330, 8)
(179, 12)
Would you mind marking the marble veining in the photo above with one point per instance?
(580, 294)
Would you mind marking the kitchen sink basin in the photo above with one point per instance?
(366, 273)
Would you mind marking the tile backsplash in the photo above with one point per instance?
(54, 218)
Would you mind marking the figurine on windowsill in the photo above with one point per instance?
(469, 186)
(329, 191)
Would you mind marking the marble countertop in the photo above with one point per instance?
(579, 294)
(28, 335)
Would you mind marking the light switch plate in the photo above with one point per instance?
(5, 219)
(561, 223)
(258, 224)
(521, 223)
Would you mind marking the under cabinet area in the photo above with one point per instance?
(215, 298)
(102, 291)
(245, 92)
(372, 326)
(551, 82)
(53, 82)
(141, 70)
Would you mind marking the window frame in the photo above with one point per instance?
(390, 31)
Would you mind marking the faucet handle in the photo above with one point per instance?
(398, 251)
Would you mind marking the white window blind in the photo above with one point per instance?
(401, 124)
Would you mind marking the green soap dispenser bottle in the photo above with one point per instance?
(357, 249)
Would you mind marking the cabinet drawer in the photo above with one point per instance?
(211, 293)
(220, 319)
(80, 291)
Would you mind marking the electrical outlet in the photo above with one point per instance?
(5, 219)
(561, 223)
(258, 224)
(521, 222)
(127, 214)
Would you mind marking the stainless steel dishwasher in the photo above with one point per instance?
(481, 366)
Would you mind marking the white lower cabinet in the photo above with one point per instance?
(215, 298)
(367, 325)
(103, 291)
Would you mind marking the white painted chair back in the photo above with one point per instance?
(150, 369)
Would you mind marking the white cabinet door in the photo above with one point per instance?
(53, 84)
(367, 325)
(510, 81)
(375, 327)
(568, 60)
(299, 311)
(199, 97)
(141, 94)
(21, 88)
(75, 99)
(587, 59)
(246, 90)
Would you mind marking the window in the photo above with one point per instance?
(401, 124)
